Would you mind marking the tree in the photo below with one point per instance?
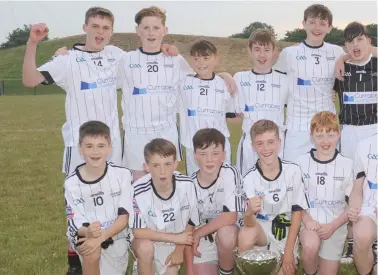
(372, 32)
(18, 37)
(296, 35)
(246, 33)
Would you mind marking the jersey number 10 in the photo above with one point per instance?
(98, 201)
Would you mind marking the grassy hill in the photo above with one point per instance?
(233, 51)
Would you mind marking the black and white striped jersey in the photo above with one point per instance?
(170, 215)
(358, 93)
(282, 195)
(311, 79)
(203, 104)
(366, 165)
(101, 200)
(149, 85)
(89, 79)
(327, 184)
(261, 96)
(225, 194)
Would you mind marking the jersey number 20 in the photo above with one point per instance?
(152, 68)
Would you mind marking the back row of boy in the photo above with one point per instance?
(91, 73)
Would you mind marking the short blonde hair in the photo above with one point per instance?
(262, 126)
(325, 120)
(151, 11)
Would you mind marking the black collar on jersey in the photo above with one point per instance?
(173, 191)
(262, 173)
(313, 47)
(90, 182)
(256, 73)
(155, 53)
(214, 181)
(205, 78)
(312, 152)
(75, 47)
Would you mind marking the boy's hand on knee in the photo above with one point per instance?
(353, 214)
(288, 264)
(312, 225)
(88, 245)
(175, 258)
(326, 231)
(184, 238)
(94, 230)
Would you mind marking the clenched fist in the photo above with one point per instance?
(254, 205)
(94, 230)
(38, 32)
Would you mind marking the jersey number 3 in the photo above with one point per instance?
(169, 217)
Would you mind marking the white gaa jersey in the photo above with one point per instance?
(225, 194)
(203, 104)
(261, 96)
(311, 78)
(149, 86)
(170, 215)
(327, 183)
(102, 200)
(282, 195)
(366, 165)
(90, 81)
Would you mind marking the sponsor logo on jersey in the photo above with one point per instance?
(100, 83)
(243, 84)
(374, 74)
(97, 194)
(315, 81)
(116, 194)
(188, 87)
(151, 214)
(80, 59)
(276, 85)
(139, 91)
(262, 107)
(321, 174)
(135, 66)
(372, 156)
(315, 55)
(306, 176)
(110, 60)
(204, 86)
(106, 224)
(361, 72)
(78, 201)
(329, 58)
(69, 212)
(168, 210)
(347, 74)
(152, 62)
(339, 178)
(219, 91)
(97, 58)
(301, 57)
(327, 203)
(274, 191)
(185, 207)
(136, 207)
(360, 97)
(372, 185)
(260, 81)
(199, 111)
(168, 65)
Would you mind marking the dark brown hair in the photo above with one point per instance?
(262, 37)
(161, 147)
(98, 11)
(94, 129)
(354, 30)
(203, 48)
(262, 126)
(320, 11)
(207, 137)
(151, 11)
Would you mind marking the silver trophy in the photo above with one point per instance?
(257, 261)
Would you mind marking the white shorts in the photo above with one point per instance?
(133, 146)
(296, 144)
(191, 165)
(369, 212)
(208, 250)
(114, 259)
(246, 157)
(332, 248)
(275, 245)
(351, 135)
(161, 253)
(72, 157)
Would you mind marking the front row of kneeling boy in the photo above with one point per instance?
(168, 219)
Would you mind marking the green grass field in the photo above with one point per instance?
(32, 223)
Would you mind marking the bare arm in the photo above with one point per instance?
(293, 231)
(340, 220)
(148, 234)
(119, 225)
(355, 198)
(224, 219)
(31, 77)
(306, 217)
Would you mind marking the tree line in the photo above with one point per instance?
(19, 36)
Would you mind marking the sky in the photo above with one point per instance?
(209, 18)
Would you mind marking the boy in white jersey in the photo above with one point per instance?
(203, 101)
(262, 94)
(150, 90)
(328, 180)
(363, 205)
(165, 212)
(98, 202)
(219, 192)
(276, 196)
(310, 68)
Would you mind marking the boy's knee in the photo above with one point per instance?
(227, 237)
(247, 238)
(310, 245)
(143, 249)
